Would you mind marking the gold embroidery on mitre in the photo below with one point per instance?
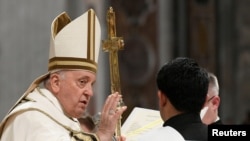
(60, 23)
(72, 63)
(91, 36)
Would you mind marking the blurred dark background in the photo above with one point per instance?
(214, 32)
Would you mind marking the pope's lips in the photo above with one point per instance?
(84, 102)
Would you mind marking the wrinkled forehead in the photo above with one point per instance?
(77, 73)
(70, 70)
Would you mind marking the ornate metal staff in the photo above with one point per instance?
(112, 45)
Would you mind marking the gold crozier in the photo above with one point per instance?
(112, 45)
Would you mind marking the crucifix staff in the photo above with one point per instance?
(112, 45)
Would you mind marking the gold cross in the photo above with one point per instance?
(112, 45)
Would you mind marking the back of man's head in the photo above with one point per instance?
(185, 84)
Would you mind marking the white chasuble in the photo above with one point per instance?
(41, 118)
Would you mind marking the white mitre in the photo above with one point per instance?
(74, 45)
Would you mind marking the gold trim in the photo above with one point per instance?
(71, 63)
(91, 35)
(59, 23)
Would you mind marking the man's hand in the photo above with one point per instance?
(109, 116)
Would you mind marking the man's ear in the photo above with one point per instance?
(162, 98)
(54, 82)
(216, 101)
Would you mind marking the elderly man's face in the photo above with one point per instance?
(75, 88)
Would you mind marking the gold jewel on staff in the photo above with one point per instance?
(112, 45)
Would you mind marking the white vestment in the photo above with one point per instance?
(41, 118)
(161, 134)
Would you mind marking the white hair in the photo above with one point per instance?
(213, 82)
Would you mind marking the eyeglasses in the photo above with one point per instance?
(211, 98)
